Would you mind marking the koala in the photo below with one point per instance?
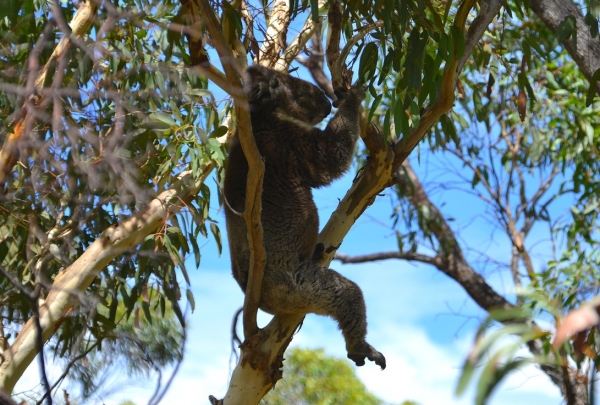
(298, 157)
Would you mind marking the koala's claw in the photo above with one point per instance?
(342, 93)
(358, 356)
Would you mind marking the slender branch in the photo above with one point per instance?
(487, 11)
(294, 48)
(81, 23)
(445, 100)
(213, 74)
(341, 60)
(334, 29)
(256, 170)
(39, 343)
(199, 55)
(314, 64)
(237, 47)
(410, 256)
(157, 396)
(65, 372)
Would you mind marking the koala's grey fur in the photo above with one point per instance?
(298, 157)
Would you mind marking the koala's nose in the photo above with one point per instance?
(325, 106)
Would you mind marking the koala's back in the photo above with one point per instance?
(283, 109)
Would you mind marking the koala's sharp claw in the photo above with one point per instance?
(340, 91)
(358, 356)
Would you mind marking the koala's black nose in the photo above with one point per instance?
(328, 107)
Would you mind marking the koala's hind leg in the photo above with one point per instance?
(327, 292)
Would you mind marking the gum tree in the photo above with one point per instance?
(111, 128)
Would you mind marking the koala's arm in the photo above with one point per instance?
(324, 155)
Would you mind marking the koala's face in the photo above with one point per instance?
(269, 90)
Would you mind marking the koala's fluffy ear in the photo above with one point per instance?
(259, 83)
(257, 92)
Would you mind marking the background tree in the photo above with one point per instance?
(311, 377)
(110, 128)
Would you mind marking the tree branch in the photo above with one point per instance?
(78, 276)
(293, 49)
(445, 100)
(81, 23)
(409, 256)
(375, 176)
(314, 64)
(275, 35)
(334, 26)
(487, 11)
(340, 62)
(256, 170)
(450, 259)
(587, 52)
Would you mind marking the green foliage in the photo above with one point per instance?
(493, 358)
(313, 378)
(129, 117)
(137, 346)
(123, 114)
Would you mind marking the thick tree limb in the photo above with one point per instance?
(276, 32)
(587, 52)
(76, 278)
(294, 48)
(81, 23)
(450, 260)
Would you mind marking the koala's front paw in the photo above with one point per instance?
(354, 94)
(358, 354)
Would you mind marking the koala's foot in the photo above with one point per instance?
(358, 354)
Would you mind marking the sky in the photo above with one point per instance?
(421, 320)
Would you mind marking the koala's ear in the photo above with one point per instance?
(274, 82)
(258, 92)
(259, 82)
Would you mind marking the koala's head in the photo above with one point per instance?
(271, 91)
